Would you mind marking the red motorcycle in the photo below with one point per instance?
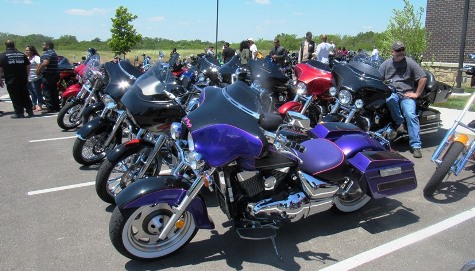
(312, 97)
(68, 81)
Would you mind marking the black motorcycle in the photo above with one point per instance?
(360, 98)
(103, 133)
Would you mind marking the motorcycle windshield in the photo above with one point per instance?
(121, 76)
(207, 62)
(64, 64)
(267, 73)
(225, 126)
(230, 66)
(92, 66)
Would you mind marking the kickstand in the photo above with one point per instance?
(275, 249)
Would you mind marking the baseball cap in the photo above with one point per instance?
(397, 45)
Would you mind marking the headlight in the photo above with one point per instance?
(176, 130)
(123, 84)
(344, 96)
(333, 91)
(201, 78)
(108, 101)
(301, 88)
(359, 103)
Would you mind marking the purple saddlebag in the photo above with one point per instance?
(387, 173)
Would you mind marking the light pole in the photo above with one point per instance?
(462, 47)
(217, 20)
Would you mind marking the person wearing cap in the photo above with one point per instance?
(253, 48)
(307, 48)
(409, 80)
(15, 66)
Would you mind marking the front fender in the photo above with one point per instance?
(71, 91)
(90, 109)
(94, 126)
(290, 106)
(124, 149)
(163, 189)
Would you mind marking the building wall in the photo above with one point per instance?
(444, 21)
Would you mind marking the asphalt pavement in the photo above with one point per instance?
(52, 219)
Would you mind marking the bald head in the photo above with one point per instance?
(9, 44)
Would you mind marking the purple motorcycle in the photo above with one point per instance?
(264, 170)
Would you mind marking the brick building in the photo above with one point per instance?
(444, 22)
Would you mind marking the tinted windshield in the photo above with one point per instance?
(367, 64)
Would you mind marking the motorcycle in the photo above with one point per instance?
(453, 152)
(71, 114)
(360, 98)
(67, 77)
(100, 135)
(264, 171)
(153, 105)
(470, 70)
(312, 97)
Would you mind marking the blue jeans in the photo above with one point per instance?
(35, 92)
(406, 107)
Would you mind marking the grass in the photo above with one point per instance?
(458, 102)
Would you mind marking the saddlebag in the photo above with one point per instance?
(429, 121)
(386, 173)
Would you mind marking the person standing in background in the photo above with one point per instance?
(15, 66)
(252, 48)
(244, 52)
(34, 81)
(307, 48)
(228, 52)
(278, 52)
(323, 50)
(49, 70)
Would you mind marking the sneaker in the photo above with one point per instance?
(400, 129)
(416, 153)
(17, 116)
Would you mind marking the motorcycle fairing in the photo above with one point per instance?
(387, 173)
(316, 75)
(223, 129)
(120, 75)
(163, 189)
(269, 74)
(322, 158)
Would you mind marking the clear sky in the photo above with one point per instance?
(196, 19)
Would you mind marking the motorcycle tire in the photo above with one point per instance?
(113, 177)
(68, 117)
(441, 172)
(134, 232)
(92, 150)
(355, 199)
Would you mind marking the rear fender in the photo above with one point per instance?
(131, 146)
(163, 189)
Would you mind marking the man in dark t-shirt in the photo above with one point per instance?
(228, 52)
(49, 71)
(15, 66)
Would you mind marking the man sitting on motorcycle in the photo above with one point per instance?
(403, 72)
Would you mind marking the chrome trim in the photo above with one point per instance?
(316, 189)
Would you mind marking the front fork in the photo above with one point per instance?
(117, 125)
(158, 145)
(200, 181)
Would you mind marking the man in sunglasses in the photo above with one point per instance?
(409, 80)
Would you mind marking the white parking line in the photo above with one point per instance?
(51, 139)
(407, 240)
(72, 186)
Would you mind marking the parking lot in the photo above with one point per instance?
(52, 219)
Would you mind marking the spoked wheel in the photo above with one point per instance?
(134, 232)
(92, 150)
(349, 202)
(113, 177)
(68, 116)
(442, 171)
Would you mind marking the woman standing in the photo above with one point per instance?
(34, 81)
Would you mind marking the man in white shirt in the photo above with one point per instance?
(323, 50)
(252, 48)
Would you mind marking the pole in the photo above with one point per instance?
(462, 46)
(217, 20)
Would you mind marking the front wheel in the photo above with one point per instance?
(113, 176)
(443, 169)
(134, 232)
(68, 116)
(92, 150)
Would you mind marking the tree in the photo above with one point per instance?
(124, 35)
(406, 26)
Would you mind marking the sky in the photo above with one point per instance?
(196, 19)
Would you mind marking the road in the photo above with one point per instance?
(52, 219)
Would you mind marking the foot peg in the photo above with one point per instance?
(260, 234)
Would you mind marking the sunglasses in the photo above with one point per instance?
(400, 50)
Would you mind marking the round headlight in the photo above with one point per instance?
(359, 103)
(176, 130)
(301, 88)
(344, 96)
(333, 91)
(201, 78)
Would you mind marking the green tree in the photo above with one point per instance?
(406, 26)
(124, 35)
